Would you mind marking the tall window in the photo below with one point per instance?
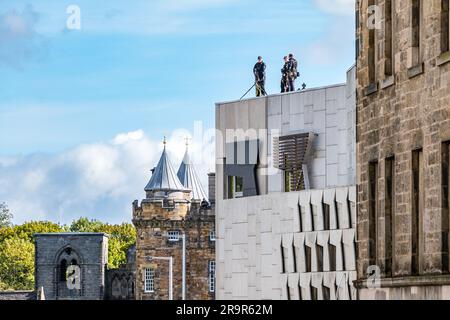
(319, 253)
(371, 52)
(373, 199)
(388, 38)
(416, 21)
(308, 260)
(212, 276)
(445, 205)
(445, 32)
(314, 293)
(389, 214)
(326, 293)
(417, 208)
(326, 216)
(332, 255)
(235, 187)
(63, 270)
(294, 256)
(212, 235)
(149, 280)
(284, 258)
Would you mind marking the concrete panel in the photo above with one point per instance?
(239, 233)
(274, 106)
(240, 285)
(297, 122)
(332, 175)
(306, 214)
(316, 204)
(332, 154)
(274, 122)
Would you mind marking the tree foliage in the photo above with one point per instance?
(17, 247)
(5, 216)
(121, 237)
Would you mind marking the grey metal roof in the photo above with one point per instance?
(188, 177)
(164, 177)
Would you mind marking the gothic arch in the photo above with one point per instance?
(64, 258)
(61, 251)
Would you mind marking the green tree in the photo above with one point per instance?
(5, 216)
(17, 253)
(121, 238)
(16, 264)
(28, 229)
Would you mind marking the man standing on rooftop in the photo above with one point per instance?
(259, 70)
(292, 72)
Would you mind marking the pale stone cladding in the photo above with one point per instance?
(153, 220)
(299, 245)
(403, 126)
(55, 251)
(276, 246)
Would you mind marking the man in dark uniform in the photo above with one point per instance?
(284, 75)
(259, 70)
(292, 72)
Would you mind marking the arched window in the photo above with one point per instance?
(62, 270)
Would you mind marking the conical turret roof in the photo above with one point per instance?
(188, 177)
(164, 177)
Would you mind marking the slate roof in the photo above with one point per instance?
(164, 177)
(188, 177)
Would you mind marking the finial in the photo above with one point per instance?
(164, 141)
(187, 141)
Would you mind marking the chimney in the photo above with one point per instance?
(212, 187)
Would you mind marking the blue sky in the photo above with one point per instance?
(139, 70)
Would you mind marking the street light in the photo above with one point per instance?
(170, 259)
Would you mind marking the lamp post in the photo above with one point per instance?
(170, 259)
(183, 287)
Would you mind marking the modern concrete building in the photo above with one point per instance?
(403, 142)
(285, 195)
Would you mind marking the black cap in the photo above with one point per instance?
(259, 57)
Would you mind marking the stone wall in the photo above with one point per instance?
(396, 114)
(18, 295)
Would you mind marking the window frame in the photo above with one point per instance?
(149, 280)
(212, 276)
(173, 235)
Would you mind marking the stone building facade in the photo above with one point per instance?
(403, 139)
(120, 282)
(175, 207)
(57, 252)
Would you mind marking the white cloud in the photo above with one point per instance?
(336, 7)
(129, 136)
(98, 180)
(336, 44)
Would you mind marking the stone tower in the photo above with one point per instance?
(174, 209)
